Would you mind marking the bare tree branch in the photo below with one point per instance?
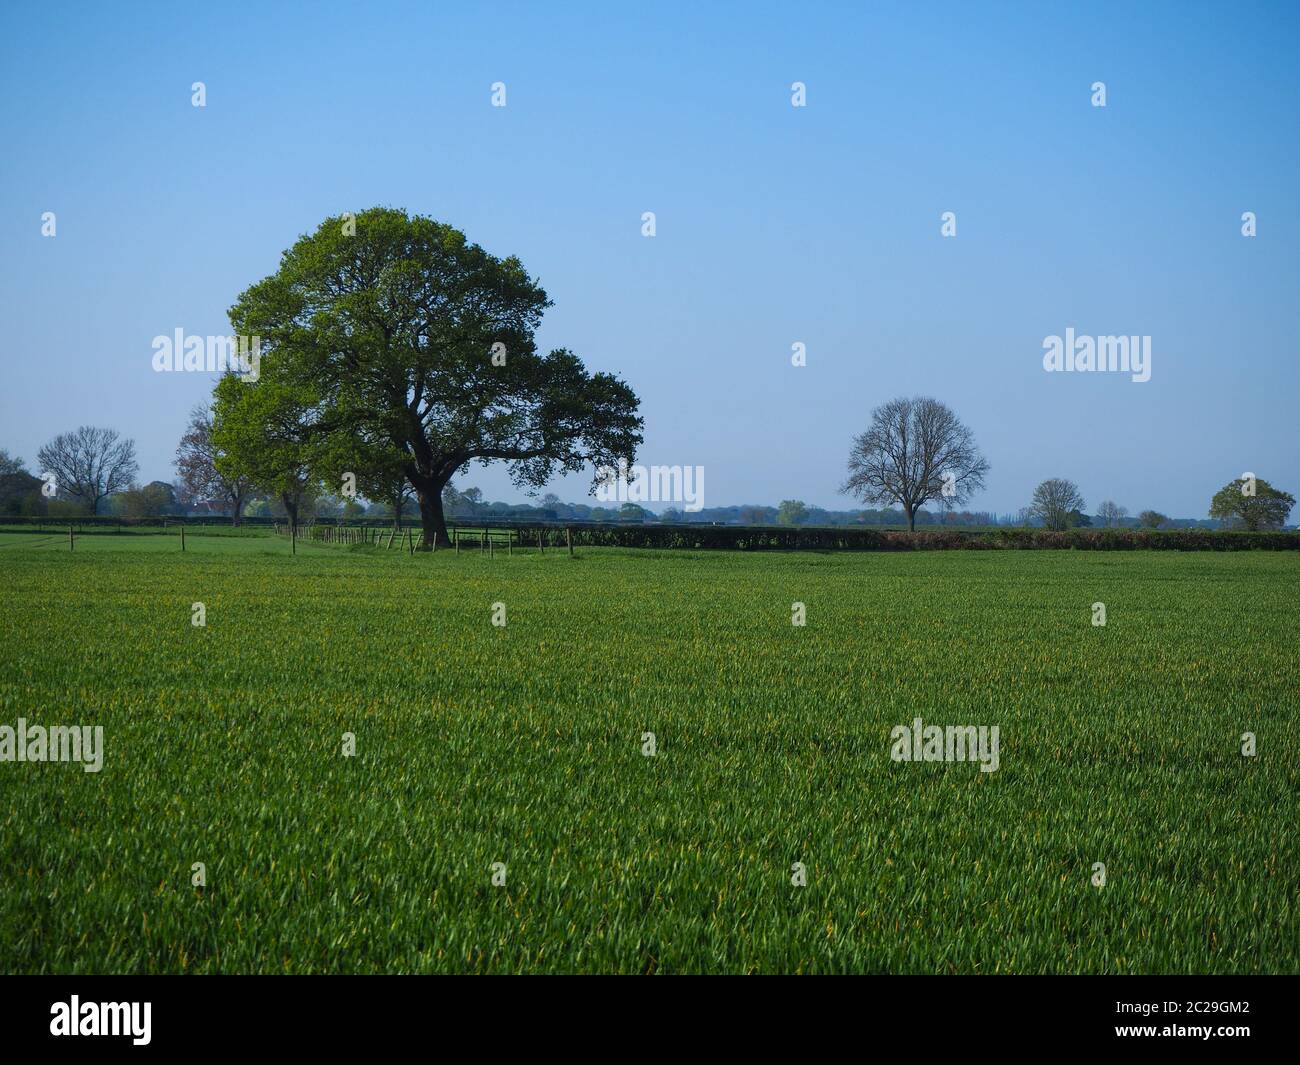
(915, 450)
(90, 464)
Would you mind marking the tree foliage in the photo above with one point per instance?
(11, 465)
(410, 353)
(1251, 504)
(792, 512)
(147, 501)
(264, 431)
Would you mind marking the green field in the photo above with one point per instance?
(522, 745)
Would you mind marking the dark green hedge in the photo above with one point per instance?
(856, 539)
(799, 538)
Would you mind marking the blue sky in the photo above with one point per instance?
(775, 224)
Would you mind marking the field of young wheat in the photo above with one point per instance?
(640, 761)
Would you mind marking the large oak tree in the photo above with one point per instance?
(418, 348)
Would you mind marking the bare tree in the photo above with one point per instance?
(915, 450)
(196, 462)
(1111, 513)
(1056, 501)
(90, 464)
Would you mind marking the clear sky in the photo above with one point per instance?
(775, 224)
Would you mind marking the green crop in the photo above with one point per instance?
(523, 744)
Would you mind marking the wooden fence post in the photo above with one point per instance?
(568, 535)
(70, 545)
(541, 547)
(182, 538)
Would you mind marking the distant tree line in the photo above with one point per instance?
(916, 453)
(199, 489)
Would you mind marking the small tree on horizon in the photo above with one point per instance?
(90, 464)
(1111, 513)
(791, 512)
(11, 465)
(1265, 507)
(914, 451)
(1056, 501)
(147, 501)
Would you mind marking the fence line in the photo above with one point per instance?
(488, 538)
